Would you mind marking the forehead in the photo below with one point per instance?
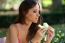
(36, 7)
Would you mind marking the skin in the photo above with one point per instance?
(31, 16)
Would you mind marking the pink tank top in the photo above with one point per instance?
(19, 37)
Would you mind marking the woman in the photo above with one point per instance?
(25, 29)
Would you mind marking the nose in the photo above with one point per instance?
(38, 14)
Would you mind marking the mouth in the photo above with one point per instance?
(36, 18)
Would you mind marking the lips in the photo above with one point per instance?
(36, 18)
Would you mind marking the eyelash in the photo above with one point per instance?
(35, 12)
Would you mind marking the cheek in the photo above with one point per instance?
(32, 16)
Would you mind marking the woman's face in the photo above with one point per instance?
(33, 14)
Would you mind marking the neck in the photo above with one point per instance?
(28, 24)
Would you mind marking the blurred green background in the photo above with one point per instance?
(53, 13)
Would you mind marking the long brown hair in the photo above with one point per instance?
(23, 9)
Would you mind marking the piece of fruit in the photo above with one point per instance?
(45, 26)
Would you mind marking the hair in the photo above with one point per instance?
(23, 9)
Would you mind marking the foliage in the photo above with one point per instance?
(59, 34)
(2, 32)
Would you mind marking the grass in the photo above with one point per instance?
(59, 33)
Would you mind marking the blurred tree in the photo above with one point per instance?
(63, 2)
(8, 4)
(56, 4)
(46, 3)
(2, 3)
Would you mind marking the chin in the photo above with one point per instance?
(35, 21)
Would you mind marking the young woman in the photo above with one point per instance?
(25, 29)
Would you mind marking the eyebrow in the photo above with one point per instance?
(36, 9)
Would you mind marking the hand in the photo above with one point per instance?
(51, 34)
(39, 35)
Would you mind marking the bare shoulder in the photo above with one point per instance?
(16, 27)
(12, 34)
(13, 28)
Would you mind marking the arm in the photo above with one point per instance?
(13, 34)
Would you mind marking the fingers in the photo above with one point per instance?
(51, 32)
(51, 29)
(42, 30)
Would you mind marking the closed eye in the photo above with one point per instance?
(34, 11)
